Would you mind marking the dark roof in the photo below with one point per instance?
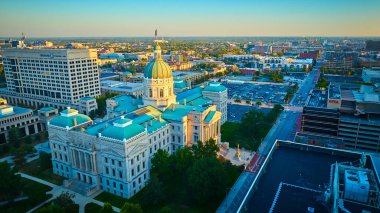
(291, 165)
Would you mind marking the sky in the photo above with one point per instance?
(126, 18)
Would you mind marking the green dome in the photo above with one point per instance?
(157, 69)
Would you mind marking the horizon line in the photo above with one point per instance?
(198, 36)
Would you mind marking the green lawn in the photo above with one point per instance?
(33, 169)
(112, 199)
(71, 209)
(36, 193)
(92, 207)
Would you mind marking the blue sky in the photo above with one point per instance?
(73, 18)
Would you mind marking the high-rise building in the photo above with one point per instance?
(50, 77)
(342, 119)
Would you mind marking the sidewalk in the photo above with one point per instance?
(79, 199)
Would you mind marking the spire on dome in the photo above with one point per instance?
(157, 47)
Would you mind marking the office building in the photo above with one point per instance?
(24, 119)
(371, 75)
(50, 77)
(340, 61)
(342, 118)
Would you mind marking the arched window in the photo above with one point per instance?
(150, 93)
(161, 93)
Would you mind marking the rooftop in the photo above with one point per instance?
(307, 170)
(177, 112)
(317, 98)
(126, 103)
(45, 109)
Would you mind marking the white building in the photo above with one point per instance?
(50, 77)
(115, 155)
(371, 75)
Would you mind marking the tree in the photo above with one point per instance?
(322, 83)
(207, 179)
(160, 165)
(45, 160)
(154, 193)
(65, 199)
(14, 137)
(51, 209)
(9, 181)
(107, 208)
(208, 149)
(131, 208)
(258, 103)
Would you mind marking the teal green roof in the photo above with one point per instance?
(97, 128)
(68, 111)
(189, 95)
(215, 87)
(180, 85)
(63, 121)
(209, 116)
(157, 69)
(180, 111)
(125, 103)
(127, 73)
(200, 101)
(121, 133)
(122, 121)
(156, 125)
(45, 109)
(16, 110)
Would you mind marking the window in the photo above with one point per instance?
(106, 160)
(150, 93)
(120, 174)
(121, 186)
(120, 163)
(113, 162)
(107, 170)
(196, 138)
(161, 93)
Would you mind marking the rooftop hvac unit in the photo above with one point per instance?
(356, 185)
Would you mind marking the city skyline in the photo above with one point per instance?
(195, 18)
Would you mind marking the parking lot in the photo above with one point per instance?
(265, 93)
(236, 112)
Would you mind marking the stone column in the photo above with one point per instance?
(80, 160)
(73, 162)
(94, 168)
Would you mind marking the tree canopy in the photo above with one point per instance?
(107, 208)
(131, 208)
(253, 127)
(10, 183)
